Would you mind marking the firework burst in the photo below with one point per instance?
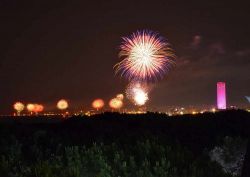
(115, 103)
(62, 104)
(30, 107)
(140, 97)
(98, 104)
(137, 93)
(145, 56)
(19, 107)
(38, 108)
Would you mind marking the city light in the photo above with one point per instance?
(194, 112)
(213, 110)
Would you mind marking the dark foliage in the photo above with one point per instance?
(113, 144)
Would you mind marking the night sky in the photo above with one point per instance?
(68, 49)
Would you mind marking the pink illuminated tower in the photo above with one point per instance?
(221, 95)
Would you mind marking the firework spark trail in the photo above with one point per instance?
(146, 57)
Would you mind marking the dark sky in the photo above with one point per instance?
(52, 50)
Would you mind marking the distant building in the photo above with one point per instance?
(221, 95)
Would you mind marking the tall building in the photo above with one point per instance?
(221, 95)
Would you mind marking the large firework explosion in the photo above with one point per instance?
(145, 56)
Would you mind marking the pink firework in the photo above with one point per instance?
(145, 56)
